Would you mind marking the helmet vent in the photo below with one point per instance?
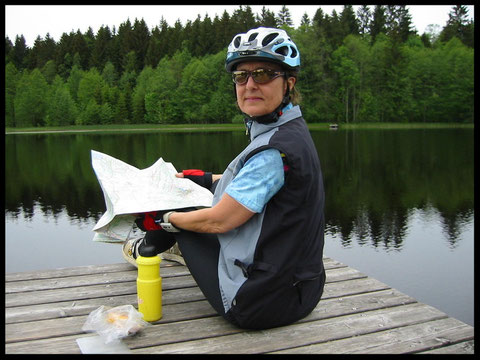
(237, 40)
(252, 37)
(294, 53)
(282, 50)
(269, 38)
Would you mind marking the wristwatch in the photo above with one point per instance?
(167, 225)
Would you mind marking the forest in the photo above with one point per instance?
(363, 66)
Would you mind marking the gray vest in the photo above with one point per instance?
(240, 243)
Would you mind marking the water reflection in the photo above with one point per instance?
(374, 179)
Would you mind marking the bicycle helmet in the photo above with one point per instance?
(263, 44)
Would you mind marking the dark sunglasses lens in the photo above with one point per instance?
(240, 77)
(262, 76)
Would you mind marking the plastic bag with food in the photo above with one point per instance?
(115, 323)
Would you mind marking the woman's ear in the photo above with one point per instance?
(291, 82)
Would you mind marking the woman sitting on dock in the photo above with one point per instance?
(256, 254)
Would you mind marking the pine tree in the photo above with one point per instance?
(398, 22)
(101, 51)
(405, 24)
(80, 47)
(125, 42)
(46, 52)
(141, 37)
(364, 17)
(205, 38)
(8, 50)
(348, 21)
(318, 18)
(64, 55)
(305, 22)
(379, 21)
(458, 25)
(20, 52)
(266, 18)
(243, 20)
(225, 31)
(284, 18)
(333, 30)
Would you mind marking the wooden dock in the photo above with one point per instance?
(45, 312)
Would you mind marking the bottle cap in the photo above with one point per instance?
(147, 251)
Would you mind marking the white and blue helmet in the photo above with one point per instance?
(263, 44)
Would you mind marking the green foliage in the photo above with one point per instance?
(90, 88)
(30, 102)
(364, 67)
(62, 110)
(11, 79)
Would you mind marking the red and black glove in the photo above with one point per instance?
(199, 177)
(146, 221)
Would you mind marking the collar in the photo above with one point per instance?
(289, 113)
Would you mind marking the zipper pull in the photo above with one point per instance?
(248, 125)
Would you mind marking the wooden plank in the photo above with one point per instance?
(435, 339)
(87, 279)
(407, 339)
(85, 306)
(357, 314)
(89, 275)
(42, 329)
(326, 309)
(465, 347)
(100, 269)
(63, 345)
(114, 284)
(69, 282)
(88, 292)
(76, 271)
(302, 333)
(35, 308)
(342, 274)
(352, 287)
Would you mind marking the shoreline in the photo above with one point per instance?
(228, 127)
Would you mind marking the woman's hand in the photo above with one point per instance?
(200, 177)
(226, 215)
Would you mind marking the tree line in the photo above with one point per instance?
(364, 66)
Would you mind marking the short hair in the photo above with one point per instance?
(295, 96)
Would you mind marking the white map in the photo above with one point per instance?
(129, 191)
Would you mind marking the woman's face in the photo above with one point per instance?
(260, 99)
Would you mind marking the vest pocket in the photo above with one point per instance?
(308, 282)
(247, 270)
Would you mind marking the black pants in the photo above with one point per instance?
(200, 252)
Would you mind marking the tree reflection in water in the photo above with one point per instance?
(374, 179)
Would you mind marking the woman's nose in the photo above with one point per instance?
(251, 84)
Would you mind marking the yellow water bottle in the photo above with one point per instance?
(149, 284)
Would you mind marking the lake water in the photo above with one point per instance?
(399, 203)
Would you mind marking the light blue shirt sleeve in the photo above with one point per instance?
(259, 179)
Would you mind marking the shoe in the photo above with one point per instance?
(159, 239)
(130, 250)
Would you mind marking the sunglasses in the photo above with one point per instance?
(260, 76)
